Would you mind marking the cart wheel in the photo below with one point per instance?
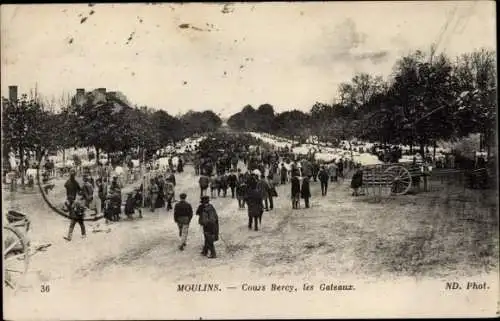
(400, 179)
(16, 257)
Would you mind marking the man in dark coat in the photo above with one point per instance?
(204, 182)
(72, 188)
(130, 205)
(315, 170)
(283, 173)
(241, 192)
(180, 165)
(183, 213)
(209, 220)
(255, 208)
(76, 209)
(232, 181)
(323, 178)
(356, 181)
(234, 161)
(340, 168)
(305, 191)
(295, 191)
(223, 184)
(160, 200)
(88, 192)
(115, 195)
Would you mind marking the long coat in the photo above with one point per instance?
(323, 175)
(204, 181)
(357, 179)
(263, 187)
(295, 186)
(241, 190)
(305, 191)
(254, 202)
(212, 230)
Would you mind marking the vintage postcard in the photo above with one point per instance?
(249, 160)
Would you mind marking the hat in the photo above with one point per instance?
(205, 199)
(183, 196)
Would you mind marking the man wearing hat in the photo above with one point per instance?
(210, 221)
(72, 188)
(183, 213)
(75, 208)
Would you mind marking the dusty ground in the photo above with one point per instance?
(121, 274)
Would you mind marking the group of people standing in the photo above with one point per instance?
(161, 191)
(254, 191)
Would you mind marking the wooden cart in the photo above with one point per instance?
(392, 178)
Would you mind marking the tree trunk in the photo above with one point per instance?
(422, 150)
(434, 152)
(96, 155)
(64, 155)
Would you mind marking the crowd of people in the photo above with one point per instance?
(254, 188)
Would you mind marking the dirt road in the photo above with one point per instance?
(134, 271)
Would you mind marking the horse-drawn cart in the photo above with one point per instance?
(392, 178)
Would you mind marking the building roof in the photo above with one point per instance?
(100, 96)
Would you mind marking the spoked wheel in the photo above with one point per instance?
(16, 257)
(400, 179)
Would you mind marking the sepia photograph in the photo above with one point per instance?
(249, 160)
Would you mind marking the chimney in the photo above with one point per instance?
(13, 93)
(80, 91)
(101, 90)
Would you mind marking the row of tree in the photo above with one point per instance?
(427, 98)
(95, 119)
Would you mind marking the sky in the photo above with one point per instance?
(181, 57)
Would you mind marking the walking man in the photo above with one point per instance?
(323, 178)
(76, 209)
(255, 208)
(204, 181)
(305, 191)
(340, 168)
(295, 192)
(209, 220)
(283, 174)
(241, 192)
(183, 213)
